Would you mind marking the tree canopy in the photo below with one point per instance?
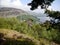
(43, 3)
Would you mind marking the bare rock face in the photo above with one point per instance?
(10, 12)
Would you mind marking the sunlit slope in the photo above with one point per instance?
(11, 12)
(13, 37)
(22, 33)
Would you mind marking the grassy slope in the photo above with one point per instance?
(10, 26)
(13, 36)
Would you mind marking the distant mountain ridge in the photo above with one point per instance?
(14, 12)
(7, 11)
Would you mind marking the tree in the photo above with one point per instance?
(55, 21)
(43, 3)
(53, 14)
(52, 27)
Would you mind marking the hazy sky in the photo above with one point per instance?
(55, 5)
(22, 4)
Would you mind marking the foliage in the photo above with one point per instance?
(37, 31)
(28, 17)
(53, 14)
(55, 21)
(43, 3)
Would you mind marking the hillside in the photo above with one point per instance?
(28, 17)
(15, 30)
(18, 27)
(14, 12)
(13, 35)
(7, 12)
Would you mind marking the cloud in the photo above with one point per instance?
(17, 4)
(13, 3)
(9, 3)
(50, 8)
(4, 2)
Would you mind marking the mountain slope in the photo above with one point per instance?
(7, 12)
(20, 39)
(12, 37)
(28, 17)
(14, 12)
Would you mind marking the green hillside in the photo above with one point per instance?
(28, 17)
(40, 32)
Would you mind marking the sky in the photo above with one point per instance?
(22, 4)
(55, 5)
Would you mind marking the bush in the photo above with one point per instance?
(36, 30)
